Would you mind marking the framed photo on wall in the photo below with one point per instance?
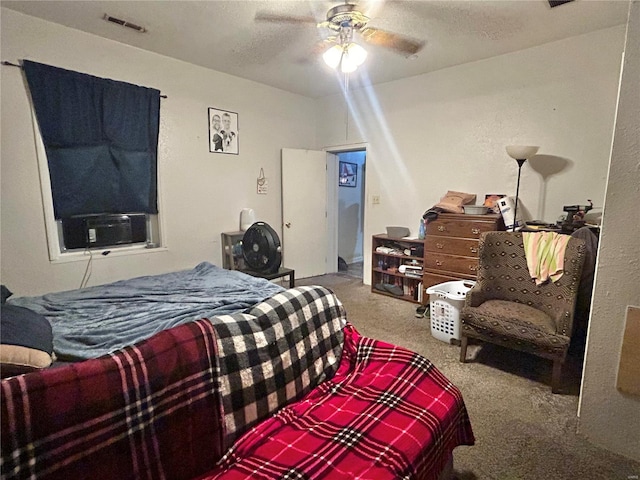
(348, 174)
(223, 131)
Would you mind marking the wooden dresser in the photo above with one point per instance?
(451, 246)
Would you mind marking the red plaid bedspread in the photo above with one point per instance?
(388, 413)
(150, 411)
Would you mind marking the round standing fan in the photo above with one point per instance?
(261, 248)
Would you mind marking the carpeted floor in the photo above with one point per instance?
(355, 270)
(522, 430)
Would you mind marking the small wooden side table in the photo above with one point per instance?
(230, 241)
(281, 273)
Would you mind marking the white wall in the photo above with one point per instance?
(608, 417)
(201, 193)
(447, 130)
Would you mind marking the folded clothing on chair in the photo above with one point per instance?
(544, 252)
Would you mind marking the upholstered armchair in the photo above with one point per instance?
(507, 308)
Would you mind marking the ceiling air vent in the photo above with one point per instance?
(557, 3)
(124, 23)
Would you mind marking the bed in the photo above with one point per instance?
(284, 389)
(95, 321)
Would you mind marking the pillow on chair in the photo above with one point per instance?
(26, 341)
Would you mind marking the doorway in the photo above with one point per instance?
(350, 212)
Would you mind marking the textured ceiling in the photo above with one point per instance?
(224, 35)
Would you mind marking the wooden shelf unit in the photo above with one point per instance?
(232, 258)
(384, 268)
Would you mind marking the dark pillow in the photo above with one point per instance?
(6, 293)
(26, 341)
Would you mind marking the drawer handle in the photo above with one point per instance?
(473, 268)
(438, 263)
(440, 245)
(475, 231)
(441, 228)
(473, 249)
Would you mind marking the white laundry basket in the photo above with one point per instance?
(446, 301)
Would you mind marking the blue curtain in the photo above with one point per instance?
(101, 139)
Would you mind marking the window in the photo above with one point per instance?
(100, 138)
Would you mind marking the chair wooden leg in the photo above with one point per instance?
(463, 348)
(556, 376)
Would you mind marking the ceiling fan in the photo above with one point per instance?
(344, 21)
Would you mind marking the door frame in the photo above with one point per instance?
(332, 206)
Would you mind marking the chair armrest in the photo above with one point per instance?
(475, 297)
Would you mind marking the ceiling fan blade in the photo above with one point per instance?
(322, 45)
(278, 18)
(318, 49)
(394, 41)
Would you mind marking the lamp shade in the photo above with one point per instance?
(348, 65)
(521, 152)
(357, 54)
(348, 56)
(332, 56)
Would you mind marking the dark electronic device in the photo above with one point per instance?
(261, 248)
(575, 216)
(576, 209)
(89, 231)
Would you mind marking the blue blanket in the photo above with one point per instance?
(98, 320)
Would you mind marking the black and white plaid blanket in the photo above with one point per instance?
(275, 353)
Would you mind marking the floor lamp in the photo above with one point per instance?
(520, 153)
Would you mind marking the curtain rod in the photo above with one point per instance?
(9, 64)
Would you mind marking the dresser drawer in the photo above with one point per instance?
(451, 263)
(467, 247)
(459, 228)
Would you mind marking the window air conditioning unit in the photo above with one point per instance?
(104, 230)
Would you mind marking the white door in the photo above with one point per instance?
(304, 211)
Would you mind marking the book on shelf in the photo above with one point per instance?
(413, 275)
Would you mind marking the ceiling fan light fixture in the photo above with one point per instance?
(357, 54)
(333, 56)
(348, 57)
(348, 65)
(345, 23)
